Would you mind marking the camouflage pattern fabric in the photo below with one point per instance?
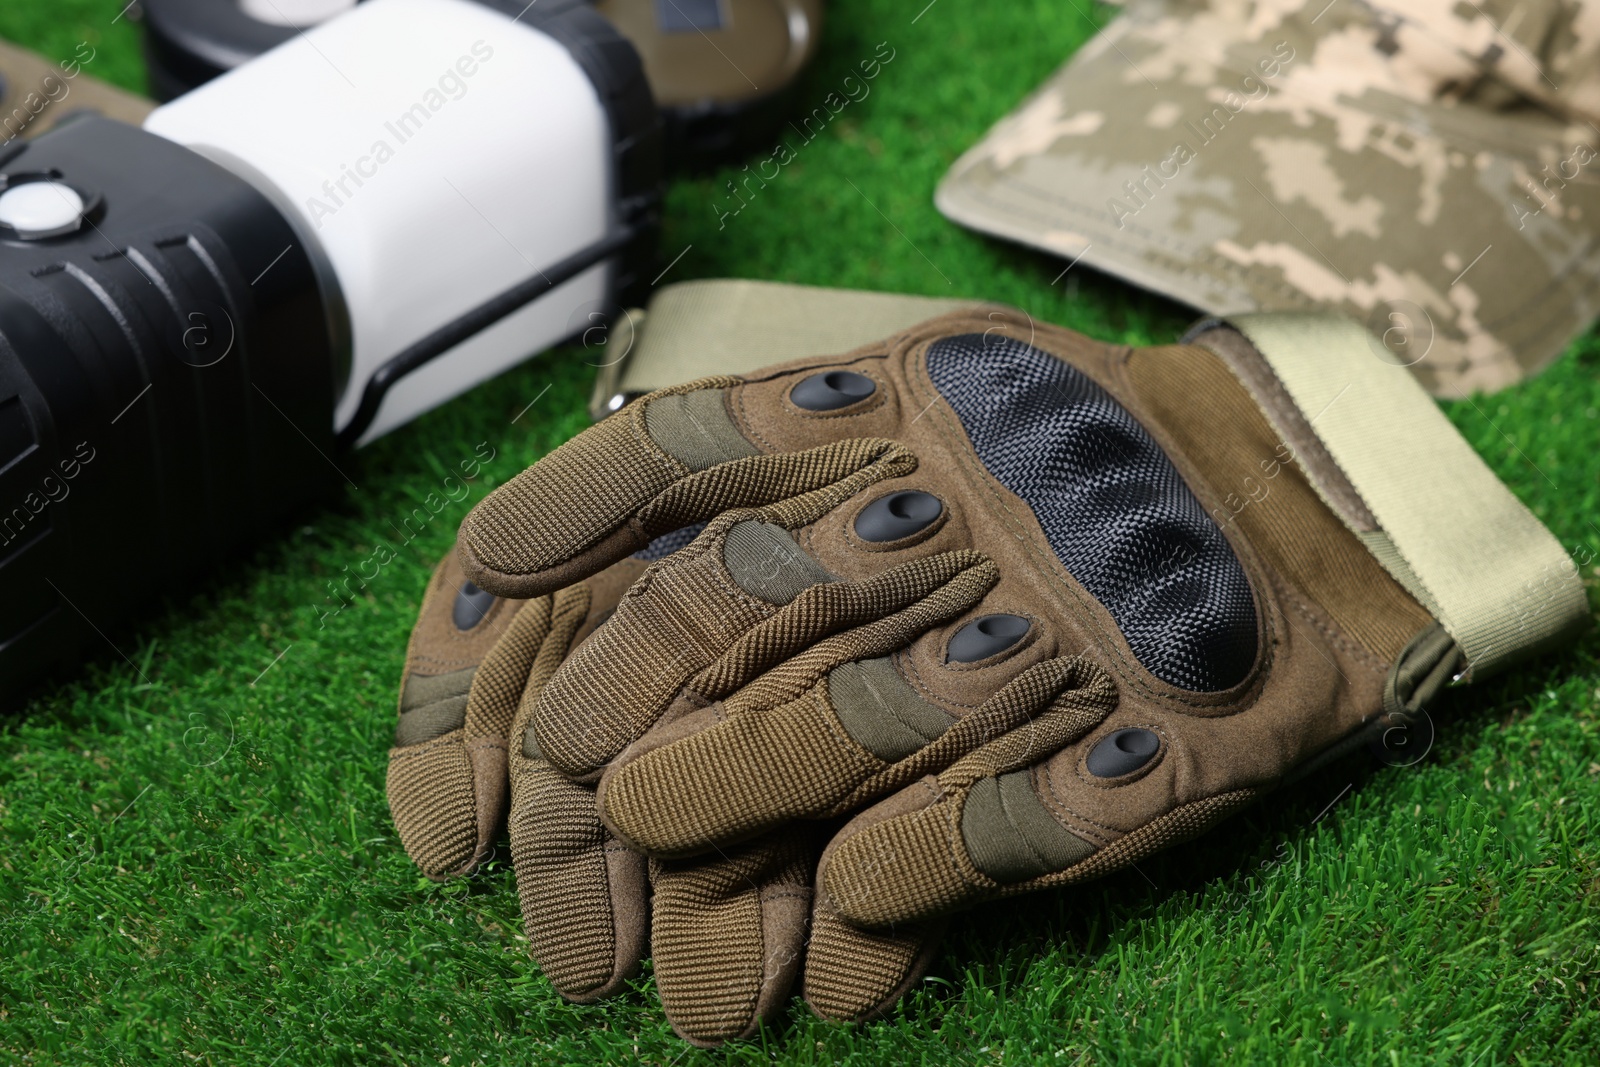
(1428, 167)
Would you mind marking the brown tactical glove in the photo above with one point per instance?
(475, 669)
(1063, 603)
(447, 769)
(473, 661)
(472, 658)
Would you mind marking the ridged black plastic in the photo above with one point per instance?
(1115, 510)
(188, 463)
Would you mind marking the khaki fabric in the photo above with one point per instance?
(1424, 167)
(880, 711)
(797, 662)
(584, 897)
(1010, 836)
(728, 935)
(848, 967)
(1272, 495)
(691, 625)
(447, 772)
(700, 328)
(35, 93)
(1500, 583)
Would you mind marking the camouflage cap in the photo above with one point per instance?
(1430, 167)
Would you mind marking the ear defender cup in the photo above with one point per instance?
(189, 42)
(722, 71)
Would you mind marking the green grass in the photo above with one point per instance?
(196, 859)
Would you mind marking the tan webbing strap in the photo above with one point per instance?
(1500, 582)
(723, 326)
(35, 93)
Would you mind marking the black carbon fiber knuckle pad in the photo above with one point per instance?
(1113, 507)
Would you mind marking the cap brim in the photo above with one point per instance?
(1239, 171)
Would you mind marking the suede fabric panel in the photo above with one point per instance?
(881, 712)
(1048, 705)
(1268, 494)
(696, 430)
(1010, 836)
(764, 561)
(421, 690)
(424, 722)
(1294, 428)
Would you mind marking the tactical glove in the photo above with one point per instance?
(458, 695)
(1063, 603)
(728, 931)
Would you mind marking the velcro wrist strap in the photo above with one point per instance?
(725, 326)
(1491, 573)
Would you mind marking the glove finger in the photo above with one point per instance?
(728, 935)
(732, 771)
(584, 896)
(669, 460)
(706, 620)
(980, 830)
(857, 975)
(447, 770)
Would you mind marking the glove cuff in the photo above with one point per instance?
(1388, 462)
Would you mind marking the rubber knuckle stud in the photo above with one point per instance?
(832, 390)
(1122, 752)
(898, 515)
(984, 637)
(471, 607)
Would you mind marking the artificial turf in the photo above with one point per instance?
(196, 858)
